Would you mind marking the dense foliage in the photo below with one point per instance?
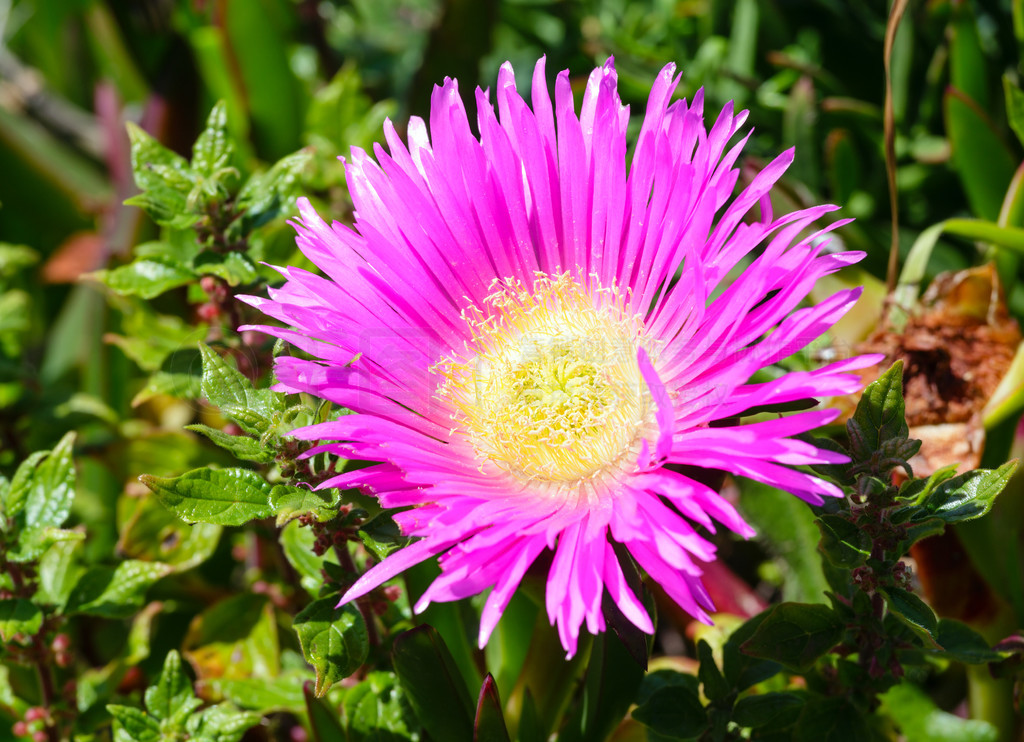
(168, 572)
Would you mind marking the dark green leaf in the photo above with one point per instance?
(530, 729)
(831, 720)
(224, 497)
(768, 709)
(674, 711)
(1014, 106)
(323, 719)
(913, 612)
(842, 542)
(19, 616)
(740, 669)
(489, 724)
(880, 415)
(381, 536)
(147, 277)
(967, 496)
(266, 195)
(962, 643)
(435, 687)
(795, 634)
(983, 161)
(115, 592)
(172, 691)
(333, 640)
(715, 685)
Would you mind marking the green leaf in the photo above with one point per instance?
(771, 710)
(152, 533)
(787, 525)
(842, 542)
(115, 592)
(381, 536)
(255, 410)
(983, 161)
(711, 678)
(920, 719)
(235, 638)
(59, 572)
(173, 689)
(133, 724)
(235, 267)
(795, 634)
(241, 446)
(333, 640)
(913, 612)
(489, 724)
(962, 643)
(831, 720)
(297, 544)
(221, 723)
(323, 720)
(213, 149)
(266, 695)
(880, 415)
(178, 377)
(432, 680)
(265, 195)
(967, 496)
(223, 497)
(19, 616)
(1014, 106)
(740, 669)
(378, 710)
(34, 542)
(290, 502)
(43, 487)
(673, 711)
(146, 277)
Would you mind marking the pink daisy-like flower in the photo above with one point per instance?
(529, 332)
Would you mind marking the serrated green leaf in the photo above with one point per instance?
(241, 446)
(255, 410)
(265, 195)
(19, 616)
(223, 497)
(172, 691)
(914, 612)
(842, 542)
(213, 149)
(42, 489)
(435, 686)
(967, 496)
(166, 207)
(290, 502)
(156, 166)
(132, 724)
(674, 711)
(115, 592)
(333, 640)
(795, 634)
(880, 415)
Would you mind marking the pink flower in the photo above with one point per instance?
(531, 333)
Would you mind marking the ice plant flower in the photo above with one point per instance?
(531, 334)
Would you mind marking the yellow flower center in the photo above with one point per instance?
(550, 389)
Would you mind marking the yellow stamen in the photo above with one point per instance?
(549, 389)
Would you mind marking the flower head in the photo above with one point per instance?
(531, 333)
